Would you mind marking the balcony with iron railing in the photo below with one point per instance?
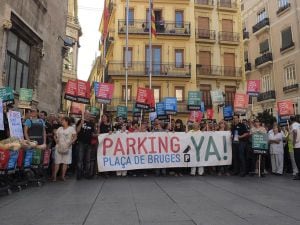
(219, 71)
(263, 60)
(269, 95)
(248, 67)
(204, 35)
(228, 5)
(291, 87)
(229, 37)
(283, 8)
(141, 27)
(141, 69)
(261, 26)
(204, 4)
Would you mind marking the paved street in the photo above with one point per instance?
(157, 201)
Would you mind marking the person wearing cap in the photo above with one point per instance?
(34, 129)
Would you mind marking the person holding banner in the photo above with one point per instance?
(276, 150)
(295, 128)
(200, 170)
(223, 170)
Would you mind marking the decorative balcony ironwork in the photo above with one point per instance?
(248, 67)
(162, 28)
(229, 36)
(269, 95)
(138, 68)
(267, 57)
(227, 4)
(245, 35)
(290, 45)
(283, 8)
(261, 24)
(206, 34)
(291, 87)
(212, 70)
(204, 2)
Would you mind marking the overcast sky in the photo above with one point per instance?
(89, 12)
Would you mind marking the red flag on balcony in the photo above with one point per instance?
(153, 27)
(105, 21)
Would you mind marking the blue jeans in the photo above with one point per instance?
(83, 159)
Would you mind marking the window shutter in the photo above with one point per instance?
(264, 46)
(286, 37)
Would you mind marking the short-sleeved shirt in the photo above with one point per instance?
(86, 132)
(276, 148)
(241, 129)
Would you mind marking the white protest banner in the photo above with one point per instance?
(15, 124)
(1, 115)
(130, 151)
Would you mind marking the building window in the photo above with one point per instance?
(283, 3)
(179, 19)
(261, 15)
(130, 16)
(156, 92)
(205, 89)
(179, 58)
(246, 56)
(286, 39)
(229, 95)
(179, 94)
(264, 46)
(129, 92)
(290, 75)
(129, 56)
(266, 83)
(17, 62)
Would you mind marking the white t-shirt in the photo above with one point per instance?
(65, 135)
(296, 127)
(276, 148)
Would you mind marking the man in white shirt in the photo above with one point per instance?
(295, 127)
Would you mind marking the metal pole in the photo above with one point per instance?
(126, 53)
(150, 43)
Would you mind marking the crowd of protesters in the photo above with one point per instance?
(74, 144)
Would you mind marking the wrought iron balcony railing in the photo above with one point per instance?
(267, 57)
(227, 4)
(204, 2)
(248, 66)
(245, 35)
(291, 87)
(162, 27)
(229, 36)
(284, 7)
(269, 95)
(212, 70)
(206, 34)
(261, 24)
(138, 68)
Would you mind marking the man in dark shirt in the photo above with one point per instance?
(240, 135)
(85, 130)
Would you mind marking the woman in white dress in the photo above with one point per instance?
(276, 150)
(65, 136)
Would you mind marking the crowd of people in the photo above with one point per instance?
(74, 144)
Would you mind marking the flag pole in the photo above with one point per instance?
(126, 53)
(150, 43)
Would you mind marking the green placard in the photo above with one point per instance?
(260, 143)
(6, 94)
(26, 94)
(122, 111)
(194, 98)
(95, 111)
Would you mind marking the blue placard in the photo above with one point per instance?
(202, 107)
(28, 158)
(170, 104)
(160, 109)
(228, 112)
(96, 88)
(13, 157)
